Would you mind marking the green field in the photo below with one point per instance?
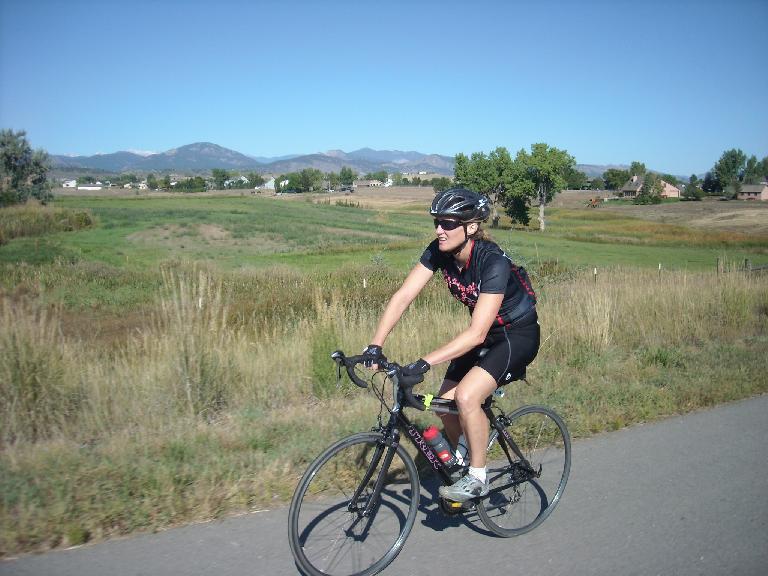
(165, 360)
(243, 232)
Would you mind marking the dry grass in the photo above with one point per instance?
(216, 399)
(34, 219)
(748, 218)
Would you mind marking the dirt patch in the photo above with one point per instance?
(346, 232)
(171, 233)
(206, 238)
(157, 235)
(578, 198)
(376, 197)
(733, 216)
(213, 232)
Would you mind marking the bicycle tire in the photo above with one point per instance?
(543, 438)
(325, 536)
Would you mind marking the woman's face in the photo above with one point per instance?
(450, 233)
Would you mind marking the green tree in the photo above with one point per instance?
(397, 179)
(710, 185)
(194, 184)
(692, 191)
(333, 180)
(651, 190)
(347, 176)
(637, 169)
(278, 182)
(167, 181)
(597, 183)
(575, 179)
(491, 175)
(540, 175)
(752, 171)
(670, 179)
(310, 179)
(381, 176)
(763, 169)
(255, 179)
(441, 183)
(152, 182)
(728, 170)
(219, 176)
(615, 178)
(294, 182)
(23, 172)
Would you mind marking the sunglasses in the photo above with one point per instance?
(447, 224)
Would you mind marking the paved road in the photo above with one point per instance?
(685, 496)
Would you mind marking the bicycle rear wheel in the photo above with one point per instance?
(520, 497)
(328, 530)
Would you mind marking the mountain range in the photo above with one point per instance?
(201, 157)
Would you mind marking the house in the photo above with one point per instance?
(368, 183)
(633, 186)
(70, 184)
(96, 186)
(753, 192)
(242, 180)
(269, 184)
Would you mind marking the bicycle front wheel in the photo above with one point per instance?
(521, 495)
(337, 523)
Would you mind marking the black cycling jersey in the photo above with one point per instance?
(489, 270)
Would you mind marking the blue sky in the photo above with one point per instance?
(672, 84)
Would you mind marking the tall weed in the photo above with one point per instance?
(34, 219)
(40, 394)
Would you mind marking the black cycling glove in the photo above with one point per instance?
(373, 354)
(413, 373)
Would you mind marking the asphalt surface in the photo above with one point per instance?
(684, 496)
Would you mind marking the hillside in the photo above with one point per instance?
(201, 157)
(204, 156)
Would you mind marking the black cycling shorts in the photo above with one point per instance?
(510, 350)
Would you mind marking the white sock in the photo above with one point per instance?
(478, 473)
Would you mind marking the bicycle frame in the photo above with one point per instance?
(398, 422)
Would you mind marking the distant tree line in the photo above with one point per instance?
(513, 184)
(726, 178)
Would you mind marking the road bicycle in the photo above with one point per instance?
(355, 505)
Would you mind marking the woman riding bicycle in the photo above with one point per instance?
(503, 323)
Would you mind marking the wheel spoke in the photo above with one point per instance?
(520, 498)
(328, 533)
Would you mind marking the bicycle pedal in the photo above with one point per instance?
(451, 508)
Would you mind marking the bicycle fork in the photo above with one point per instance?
(385, 443)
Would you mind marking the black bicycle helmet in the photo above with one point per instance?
(464, 205)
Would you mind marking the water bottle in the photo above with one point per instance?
(440, 445)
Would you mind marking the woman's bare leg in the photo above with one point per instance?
(470, 394)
